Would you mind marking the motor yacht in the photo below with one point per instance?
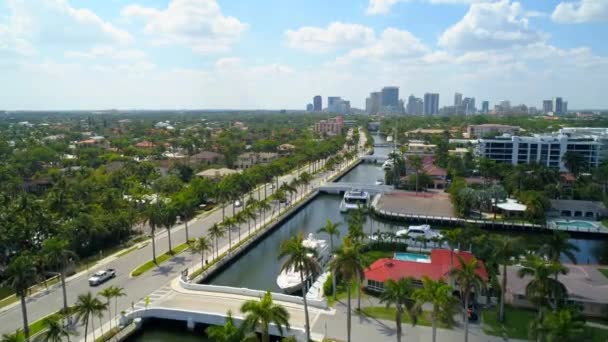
(412, 232)
(353, 199)
(289, 280)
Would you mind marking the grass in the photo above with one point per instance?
(517, 322)
(5, 292)
(35, 328)
(604, 271)
(145, 267)
(382, 312)
(374, 255)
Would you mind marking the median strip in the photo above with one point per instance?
(143, 268)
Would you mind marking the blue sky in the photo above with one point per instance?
(92, 54)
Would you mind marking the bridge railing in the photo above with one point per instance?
(241, 291)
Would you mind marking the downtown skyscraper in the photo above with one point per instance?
(431, 104)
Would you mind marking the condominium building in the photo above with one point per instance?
(477, 131)
(546, 149)
(331, 126)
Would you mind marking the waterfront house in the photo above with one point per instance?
(586, 287)
(510, 208)
(435, 266)
(590, 210)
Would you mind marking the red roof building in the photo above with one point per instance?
(438, 267)
(145, 144)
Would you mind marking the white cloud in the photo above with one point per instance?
(198, 24)
(228, 63)
(393, 44)
(495, 25)
(337, 35)
(381, 6)
(581, 11)
(109, 52)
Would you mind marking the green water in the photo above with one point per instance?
(157, 330)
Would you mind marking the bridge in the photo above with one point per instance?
(386, 144)
(209, 304)
(376, 159)
(338, 188)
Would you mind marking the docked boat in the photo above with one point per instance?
(353, 199)
(289, 280)
(379, 182)
(388, 165)
(412, 232)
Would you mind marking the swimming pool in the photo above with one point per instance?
(577, 224)
(413, 257)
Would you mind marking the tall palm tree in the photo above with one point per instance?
(153, 216)
(239, 219)
(56, 254)
(117, 292)
(249, 214)
(227, 224)
(400, 293)
(88, 306)
(225, 333)
(506, 250)
(55, 330)
(264, 205)
(303, 260)
(416, 163)
(217, 232)
(542, 285)
(348, 263)
(20, 274)
(438, 294)
(453, 238)
(202, 245)
(108, 294)
(468, 279)
(260, 314)
(168, 219)
(331, 229)
(557, 244)
(574, 162)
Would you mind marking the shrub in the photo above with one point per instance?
(327, 287)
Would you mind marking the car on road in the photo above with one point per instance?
(101, 277)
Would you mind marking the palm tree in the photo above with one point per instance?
(86, 307)
(557, 244)
(249, 214)
(117, 292)
(11, 337)
(541, 286)
(468, 279)
(453, 238)
(107, 293)
(216, 232)
(260, 314)
(239, 219)
(574, 162)
(202, 245)
(20, 274)
(225, 333)
(331, 229)
(153, 217)
(562, 326)
(55, 330)
(227, 224)
(400, 294)
(506, 250)
(348, 263)
(56, 254)
(264, 205)
(305, 179)
(416, 163)
(438, 294)
(168, 219)
(303, 260)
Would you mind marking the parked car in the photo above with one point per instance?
(237, 203)
(101, 277)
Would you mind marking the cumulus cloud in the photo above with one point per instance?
(581, 11)
(199, 24)
(381, 6)
(32, 23)
(393, 44)
(336, 35)
(495, 25)
(108, 52)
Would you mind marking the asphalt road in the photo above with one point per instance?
(49, 301)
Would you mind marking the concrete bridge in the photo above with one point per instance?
(339, 188)
(376, 159)
(388, 144)
(209, 304)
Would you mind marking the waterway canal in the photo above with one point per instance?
(259, 267)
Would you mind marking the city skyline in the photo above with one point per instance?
(208, 54)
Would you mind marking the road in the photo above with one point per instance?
(49, 301)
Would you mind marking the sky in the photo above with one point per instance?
(274, 54)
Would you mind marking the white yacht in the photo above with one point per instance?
(413, 232)
(353, 199)
(289, 280)
(389, 138)
(388, 165)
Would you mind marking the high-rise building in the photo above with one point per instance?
(485, 107)
(390, 97)
(468, 105)
(565, 107)
(333, 103)
(414, 105)
(558, 104)
(431, 104)
(317, 103)
(368, 105)
(457, 99)
(547, 106)
(375, 99)
(309, 107)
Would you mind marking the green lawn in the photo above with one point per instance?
(382, 312)
(604, 271)
(143, 268)
(375, 255)
(517, 322)
(5, 292)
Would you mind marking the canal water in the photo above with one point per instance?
(259, 267)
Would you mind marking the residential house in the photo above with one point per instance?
(590, 210)
(249, 159)
(206, 158)
(215, 174)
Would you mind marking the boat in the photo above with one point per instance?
(289, 280)
(389, 138)
(353, 199)
(379, 182)
(388, 165)
(412, 232)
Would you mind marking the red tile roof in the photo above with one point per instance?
(439, 267)
(428, 164)
(145, 144)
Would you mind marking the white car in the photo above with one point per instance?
(102, 276)
(237, 203)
